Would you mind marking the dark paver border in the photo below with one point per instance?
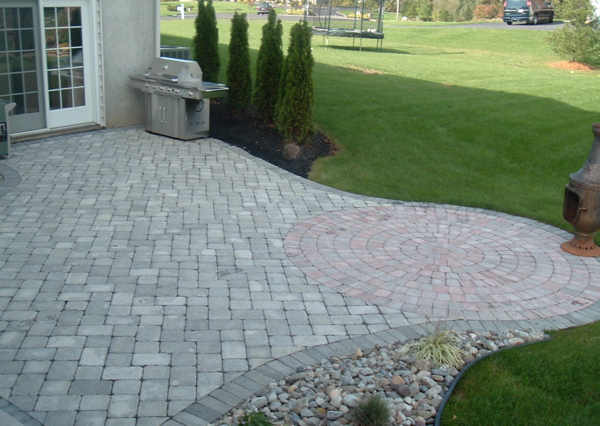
(237, 391)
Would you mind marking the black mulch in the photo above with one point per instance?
(264, 141)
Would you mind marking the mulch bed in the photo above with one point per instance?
(264, 141)
(571, 66)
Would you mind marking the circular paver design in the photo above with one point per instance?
(445, 262)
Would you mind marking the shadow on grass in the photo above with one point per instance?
(366, 49)
(410, 139)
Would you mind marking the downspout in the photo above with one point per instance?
(157, 27)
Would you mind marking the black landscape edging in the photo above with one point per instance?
(448, 394)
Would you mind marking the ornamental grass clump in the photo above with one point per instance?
(206, 41)
(255, 419)
(441, 348)
(294, 107)
(238, 68)
(372, 412)
(268, 68)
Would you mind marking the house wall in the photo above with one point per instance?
(131, 33)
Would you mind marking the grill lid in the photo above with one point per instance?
(175, 71)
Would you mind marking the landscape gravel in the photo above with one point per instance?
(325, 394)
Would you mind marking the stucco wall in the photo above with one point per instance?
(130, 32)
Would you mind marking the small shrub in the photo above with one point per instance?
(441, 348)
(255, 419)
(238, 68)
(579, 39)
(206, 41)
(294, 106)
(268, 68)
(444, 16)
(372, 412)
(580, 43)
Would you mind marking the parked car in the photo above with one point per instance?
(528, 11)
(263, 8)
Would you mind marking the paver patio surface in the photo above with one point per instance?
(140, 273)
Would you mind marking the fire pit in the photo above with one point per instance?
(177, 100)
(581, 205)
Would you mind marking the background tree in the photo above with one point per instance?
(238, 68)
(206, 41)
(268, 68)
(294, 107)
(425, 10)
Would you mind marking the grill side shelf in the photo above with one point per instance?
(214, 90)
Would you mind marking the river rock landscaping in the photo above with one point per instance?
(325, 394)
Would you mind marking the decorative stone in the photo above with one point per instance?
(516, 341)
(334, 415)
(402, 390)
(305, 412)
(413, 389)
(351, 400)
(422, 364)
(327, 391)
(347, 380)
(398, 380)
(335, 397)
(420, 421)
(291, 151)
(259, 401)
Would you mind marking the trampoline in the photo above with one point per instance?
(358, 19)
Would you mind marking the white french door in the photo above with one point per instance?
(68, 59)
(20, 63)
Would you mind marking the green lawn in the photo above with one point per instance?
(551, 383)
(452, 115)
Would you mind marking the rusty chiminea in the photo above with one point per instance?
(581, 206)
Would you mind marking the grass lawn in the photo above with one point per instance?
(465, 116)
(550, 383)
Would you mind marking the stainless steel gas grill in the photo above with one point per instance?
(177, 100)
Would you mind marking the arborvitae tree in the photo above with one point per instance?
(268, 68)
(206, 41)
(294, 107)
(238, 69)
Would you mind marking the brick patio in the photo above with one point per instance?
(138, 274)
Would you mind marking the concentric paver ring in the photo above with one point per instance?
(444, 262)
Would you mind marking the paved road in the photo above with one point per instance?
(488, 25)
(251, 17)
(140, 273)
(485, 25)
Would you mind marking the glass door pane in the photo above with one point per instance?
(19, 65)
(64, 57)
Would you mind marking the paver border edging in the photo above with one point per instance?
(18, 414)
(11, 178)
(448, 394)
(235, 392)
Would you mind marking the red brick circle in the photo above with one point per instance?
(444, 262)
